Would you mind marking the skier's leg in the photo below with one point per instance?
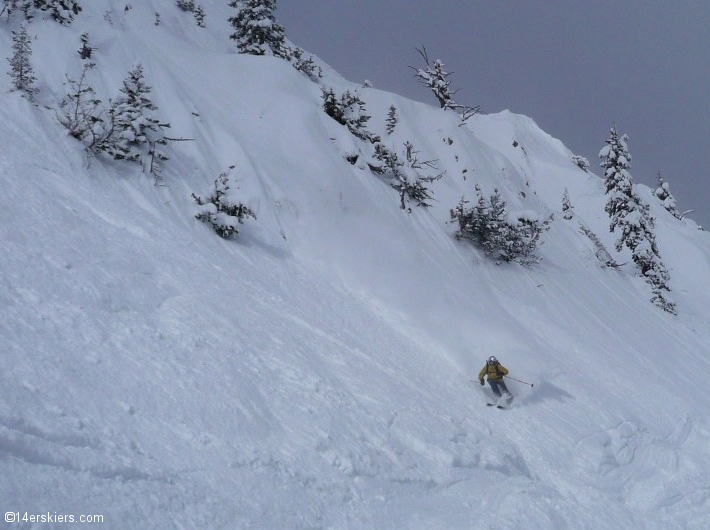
(494, 387)
(505, 390)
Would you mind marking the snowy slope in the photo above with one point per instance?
(314, 373)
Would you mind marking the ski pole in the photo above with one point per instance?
(519, 381)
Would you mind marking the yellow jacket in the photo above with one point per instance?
(495, 372)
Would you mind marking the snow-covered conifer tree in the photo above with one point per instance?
(437, 80)
(504, 237)
(348, 110)
(391, 121)
(406, 176)
(200, 15)
(186, 5)
(135, 131)
(21, 71)
(223, 215)
(304, 63)
(567, 208)
(256, 31)
(663, 193)
(631, 218)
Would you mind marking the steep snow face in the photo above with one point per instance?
(316, 371)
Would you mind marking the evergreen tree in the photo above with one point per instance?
(567, 208)
(631, 218)
(348, 110)
(305, 64)
(489, 226)
(219, 212)
(663, 193)
(256, 31)
(616, 162)
(391, 121)
(135, 132)
(438, 81)
(200, 15)
(21, 71)
(186, 5)
(406, 175)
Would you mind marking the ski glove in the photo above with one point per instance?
(482, 382)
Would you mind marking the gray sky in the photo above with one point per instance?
(575, 67)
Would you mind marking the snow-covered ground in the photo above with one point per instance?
(315, 372)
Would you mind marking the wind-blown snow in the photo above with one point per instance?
(315, 372)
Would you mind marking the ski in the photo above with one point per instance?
(502, 407)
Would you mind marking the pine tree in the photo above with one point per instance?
(438, 81)
(663, 193)
(490, 227)
(256, 31)
(21, 70)
(135, 132)
(567, 206)
(200, 15)
(219, 212)
(407, 175)
(186, 5)
(391, 121)
(305, 64)
(631, 218)
(348, 110)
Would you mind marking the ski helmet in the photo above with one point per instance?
(492, 360)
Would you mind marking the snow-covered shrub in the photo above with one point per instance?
(305, 64)
(348, 110)
(406, 175)
(581, 162)
(63, 11)
(189, 6)
(82, 113)
(504, 237)
(186, 5)
(219, 212)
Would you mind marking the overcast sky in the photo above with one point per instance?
(575, 67)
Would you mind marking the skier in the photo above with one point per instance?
(495, 372)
